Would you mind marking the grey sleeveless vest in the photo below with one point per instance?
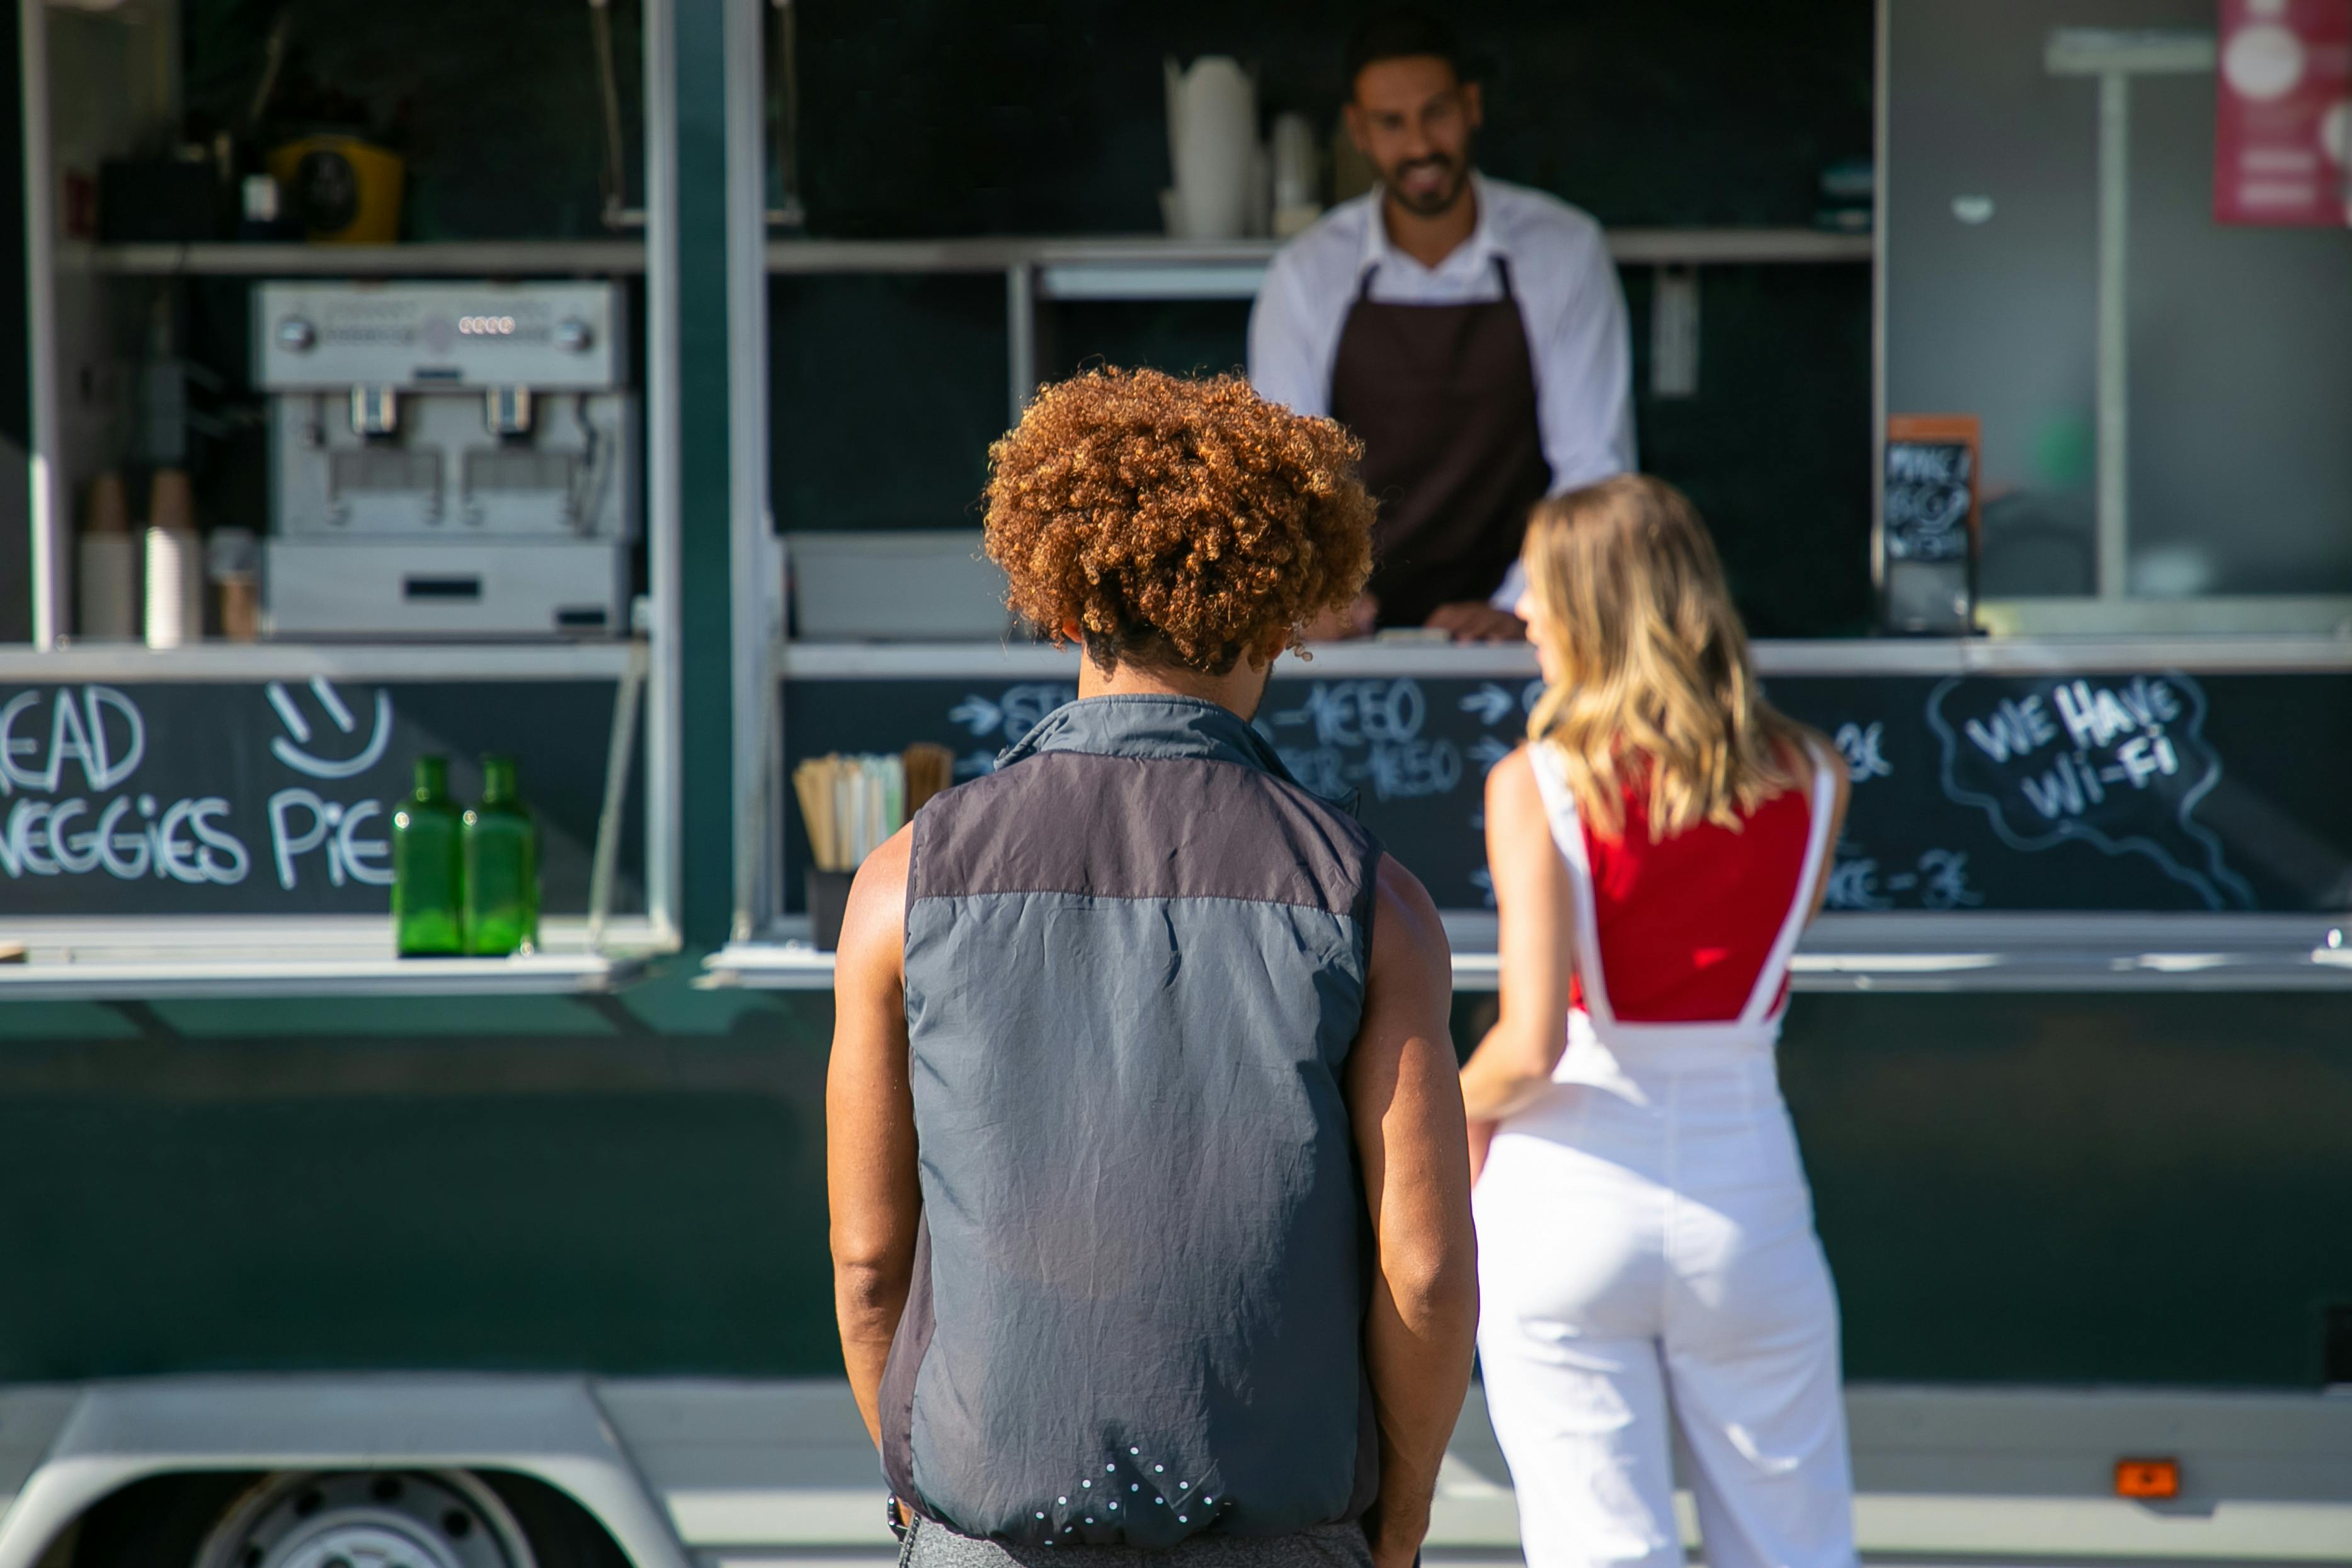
(1135, 965)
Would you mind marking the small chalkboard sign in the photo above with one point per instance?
(1931, 487)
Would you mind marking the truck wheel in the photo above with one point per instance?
(561, 1533)
(368, 1518)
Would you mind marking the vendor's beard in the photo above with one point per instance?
(1438, 201)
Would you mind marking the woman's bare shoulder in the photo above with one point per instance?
(1512, 791)
(1516, 776)
(1517, 768)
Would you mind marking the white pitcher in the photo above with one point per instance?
(1213, 148)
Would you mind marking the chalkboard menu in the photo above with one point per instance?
(1931, 487)
(275, 797)
(2146, 791)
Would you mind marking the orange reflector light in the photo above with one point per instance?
(2153, 1479)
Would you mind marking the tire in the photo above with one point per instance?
(561, 1533)
(158, 1522)
(165, 1521)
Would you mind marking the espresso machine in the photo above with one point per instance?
(447, 459)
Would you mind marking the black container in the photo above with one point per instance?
(828, 895)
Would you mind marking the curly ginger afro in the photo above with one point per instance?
(1175, 521)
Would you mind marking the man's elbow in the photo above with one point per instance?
(1435, 1286)
(869, 1286)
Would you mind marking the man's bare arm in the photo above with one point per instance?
(870, 1126)
(1406, 1105)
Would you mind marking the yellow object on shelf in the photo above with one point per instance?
(342, 190)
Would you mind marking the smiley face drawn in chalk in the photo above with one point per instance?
(290, 751)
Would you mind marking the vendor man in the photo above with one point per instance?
(1471, 332)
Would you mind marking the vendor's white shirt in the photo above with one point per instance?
(1569, 304)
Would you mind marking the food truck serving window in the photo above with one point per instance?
(2123, 251)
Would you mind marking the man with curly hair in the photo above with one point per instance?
(1150, 1194)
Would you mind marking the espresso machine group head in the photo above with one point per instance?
(448, 458)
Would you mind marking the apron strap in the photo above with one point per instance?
(1535, 376)
(1364, 284)
(1567, 834)
(1776, 965)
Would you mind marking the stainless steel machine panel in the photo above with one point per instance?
(446, 474)
(549, 337)
(398, 587)
(447, 458)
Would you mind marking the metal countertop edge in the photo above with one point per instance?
(1856, 657)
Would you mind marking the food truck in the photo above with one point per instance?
(605, 384)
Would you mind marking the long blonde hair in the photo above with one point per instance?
(1657, 690)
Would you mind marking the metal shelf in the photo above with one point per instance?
(334, 661)
(783, 965)
(435, 258)
(177, 957)
(1070, 267)
(1874, 953)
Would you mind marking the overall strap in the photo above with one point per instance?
(1567, 834)
(1792, 925)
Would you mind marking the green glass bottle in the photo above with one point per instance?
(427, 866)
(502, 867)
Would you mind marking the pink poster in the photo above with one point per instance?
(2283, 113)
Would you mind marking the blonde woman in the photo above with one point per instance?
(1646, 1234)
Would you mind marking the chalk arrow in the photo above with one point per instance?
(1490, 702)
(1487, 751)
(976, 714)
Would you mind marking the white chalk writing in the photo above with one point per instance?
(1013, 714)
(2117, 764)
(1864, 748)
(67, 753)
(1367, 733)
(1937, 879)
(290, 752)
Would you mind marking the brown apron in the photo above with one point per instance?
(1443, 397)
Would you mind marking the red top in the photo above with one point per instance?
(1685, 924)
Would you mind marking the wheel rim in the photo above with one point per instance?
(368, 1518)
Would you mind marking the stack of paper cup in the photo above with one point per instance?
(106, 564)
(1296, 169)
(176, 564)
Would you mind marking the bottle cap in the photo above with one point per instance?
(108, 509)
(172, 501)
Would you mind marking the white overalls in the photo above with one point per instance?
(1645, 1243)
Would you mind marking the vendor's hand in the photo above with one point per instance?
(1342, 622)
(1475, 621)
